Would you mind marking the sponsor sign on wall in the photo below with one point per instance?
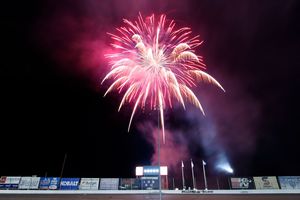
(289, 182)
(130, 184)
(242, 183)
(89, 184)
(109, 183)
(2, 182)
(266, 182)
(49, 183)
(69, 183)
(149, 183)
(9, 182)
(27, 183)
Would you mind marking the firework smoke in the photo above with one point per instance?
(172, 152)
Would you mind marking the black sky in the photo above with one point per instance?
(52, 105)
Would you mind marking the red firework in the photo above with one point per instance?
(155, 64)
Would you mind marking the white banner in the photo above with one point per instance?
(35, 181)
(29, 183)
(25, 183)
(266, 182)
(89, 184)
(109, 183)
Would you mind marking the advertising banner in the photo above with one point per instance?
(130, 184)
(242, 183)
(69, 183)
(2, 182)
(9, 182)
(289, 182)
(149, 183)
(27, 183)
(109, 183)
(44, 183)
(266, 182)
(49, 183)
(89, 184)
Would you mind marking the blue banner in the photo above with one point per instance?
(49, 183)
(149, 183)
(69, 183)
(9, 186)
(44, 183)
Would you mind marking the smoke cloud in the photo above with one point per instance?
(172, 152)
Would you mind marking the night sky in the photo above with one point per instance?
(52, 104)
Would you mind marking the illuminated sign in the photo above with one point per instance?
(151, 171)
(139, 171)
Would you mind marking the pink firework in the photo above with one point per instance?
(155, 64)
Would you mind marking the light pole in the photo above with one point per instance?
(159, 175)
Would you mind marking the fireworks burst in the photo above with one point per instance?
(155, 64)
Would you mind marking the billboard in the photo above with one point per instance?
(69, 183)
(89, 184)
(149, 183)
(289, 182)
(49, 183)
(130, 184)
(266, 182)
(242, 183)
(109, 183)
(27, 183)
(9, 182)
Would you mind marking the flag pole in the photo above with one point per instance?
(182, 173)
(193, 176)
(204, 174)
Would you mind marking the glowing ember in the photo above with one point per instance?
(155, 64)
